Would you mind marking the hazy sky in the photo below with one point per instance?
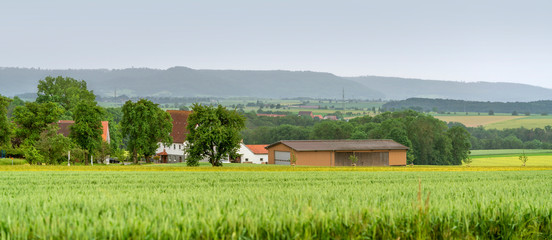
(507, 41)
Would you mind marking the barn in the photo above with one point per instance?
(377, 152)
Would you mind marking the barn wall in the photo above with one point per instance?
(314, 158)
(365, 158)
(397, 158)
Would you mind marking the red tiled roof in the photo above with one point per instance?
(180, 121)
(341, 145)
(270, 115)
(258, 149)
(65, 128)
(319, 117)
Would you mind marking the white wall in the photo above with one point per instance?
(248, 156)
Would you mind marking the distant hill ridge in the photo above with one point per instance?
(187, 82)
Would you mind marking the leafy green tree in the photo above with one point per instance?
(67, 92)
(87, 130)
(460, 139)
(33, 118)
(332, 130)
(214, 133)
(16, 102)
(144, 125)
(5, 128)
(53, 146)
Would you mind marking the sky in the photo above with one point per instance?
(468, 40)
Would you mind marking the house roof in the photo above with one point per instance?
(301, 113)
(65, 129)
(258, 148)
(270, 115)
(319, 117)
(180, 121)
(341, 145)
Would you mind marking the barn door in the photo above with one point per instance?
(282, 158)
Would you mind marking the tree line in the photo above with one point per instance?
(31, 130)
(448, 105)
(430, 140)
(515, 138)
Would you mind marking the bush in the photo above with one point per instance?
(33, 156)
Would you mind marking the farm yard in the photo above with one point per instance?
(275, 202)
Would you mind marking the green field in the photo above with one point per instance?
(526, 122)
(499, 121)
(9, 161)
(510, 157)
(265, 202)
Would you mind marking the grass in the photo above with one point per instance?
(508, 151)
(499, 121)
(510, 157)
(475, 121)
(526, 122)
(275, 204)
(9, 161)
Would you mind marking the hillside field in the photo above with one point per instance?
(274, 202)
(499, 121)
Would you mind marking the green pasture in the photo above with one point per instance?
(303, 204)
(9, 161)
(510, 157)
(526, 122)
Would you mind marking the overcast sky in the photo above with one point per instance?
(505, 41)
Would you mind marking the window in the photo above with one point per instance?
(174, 147)
(247, 159)
(261, 159)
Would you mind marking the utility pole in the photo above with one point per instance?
(343, 102)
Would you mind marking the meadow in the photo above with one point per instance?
(270, 202)
(499, 121)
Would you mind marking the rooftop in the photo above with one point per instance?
(341, 145)
(258, 149)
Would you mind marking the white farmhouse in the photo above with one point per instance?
(253, 154)
(175, 152)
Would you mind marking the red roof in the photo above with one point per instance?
(180, 121)
(258, 149)
(164, 153)
(270, 115)
(65, 128)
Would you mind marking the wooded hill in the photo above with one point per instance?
(187, 82)
(447, 105)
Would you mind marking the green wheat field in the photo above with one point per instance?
(273, 203)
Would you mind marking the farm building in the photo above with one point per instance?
(337, 152)
(65, 129)
(252, 154)
(175, 152)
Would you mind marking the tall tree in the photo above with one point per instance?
(33, 118)
(460, 139)
(67, 92)
(144, 125)
(87, 130)
(5, 129)
(214, 133)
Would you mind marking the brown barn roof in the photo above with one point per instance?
(341, 145)
(180, 121)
